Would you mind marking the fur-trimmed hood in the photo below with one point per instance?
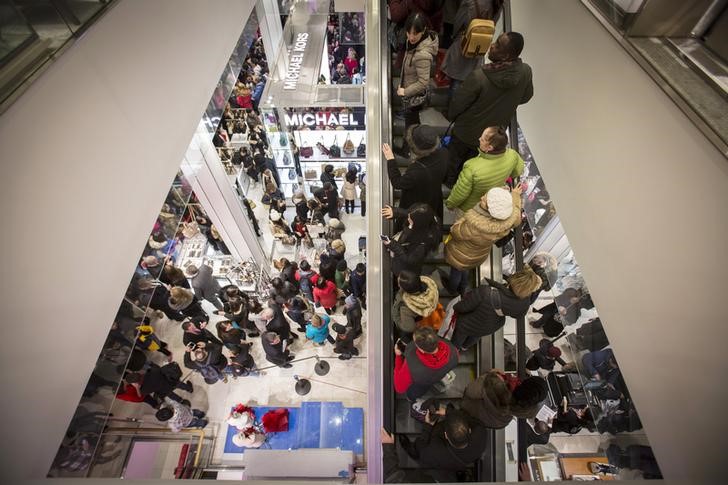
(417, 152)
(423, 303)
(180, 298)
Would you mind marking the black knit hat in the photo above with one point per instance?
(424, 137)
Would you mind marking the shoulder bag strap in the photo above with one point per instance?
(495, 301)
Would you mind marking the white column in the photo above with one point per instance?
(214, 189)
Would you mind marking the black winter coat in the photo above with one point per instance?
(476, 315)
(436, 452)
(422, 180)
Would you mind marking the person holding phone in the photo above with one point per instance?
(420, 236)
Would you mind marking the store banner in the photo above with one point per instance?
(349, 118)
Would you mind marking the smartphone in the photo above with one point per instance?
(383, 237)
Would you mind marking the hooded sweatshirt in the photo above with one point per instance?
(419, 367)
(489, 97)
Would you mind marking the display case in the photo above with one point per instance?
(587, 379)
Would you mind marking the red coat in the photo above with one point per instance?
(327, 296)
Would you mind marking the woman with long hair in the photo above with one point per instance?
(420, 236)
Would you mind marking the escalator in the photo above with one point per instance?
(395, 410)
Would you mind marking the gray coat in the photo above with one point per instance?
(205, 286)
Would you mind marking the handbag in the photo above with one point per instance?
(310, 174)
(320, 145)
(286, 159)
(283, 139)
(349, 148)
(334, 150)
(306, 151)
(292, 174)
(361, 150)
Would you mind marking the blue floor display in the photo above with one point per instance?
(313, 425)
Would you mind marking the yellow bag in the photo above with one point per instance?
(477, 37)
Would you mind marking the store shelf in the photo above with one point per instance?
(334, 160)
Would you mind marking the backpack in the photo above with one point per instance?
(433, 320)
(478, 35)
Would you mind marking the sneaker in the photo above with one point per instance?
(287, 366)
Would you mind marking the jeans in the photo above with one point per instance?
(454, 84)
(458, 281)
(462, 340)
(411, 117)
(198, 421)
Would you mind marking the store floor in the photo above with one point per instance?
(346, 381)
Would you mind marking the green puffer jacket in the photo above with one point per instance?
(474, 234)
(482, 173)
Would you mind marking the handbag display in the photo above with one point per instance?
(322, 148)
(334, 150)
(283, 140)
(349, 148)
(361, 150)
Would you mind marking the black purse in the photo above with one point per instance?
(334, 150)
(361, 150)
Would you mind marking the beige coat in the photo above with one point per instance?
(474, 234)
(417, 65)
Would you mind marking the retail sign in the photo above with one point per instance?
(295, 59)
(321, 118)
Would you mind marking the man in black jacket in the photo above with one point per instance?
(276, 351)
(162, 382)
(194, 334)
(489, 96)
(452, 444)
(422, 180)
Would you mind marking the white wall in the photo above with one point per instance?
(643, 197)
(87, 156)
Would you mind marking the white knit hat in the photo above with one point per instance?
(500, 203)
